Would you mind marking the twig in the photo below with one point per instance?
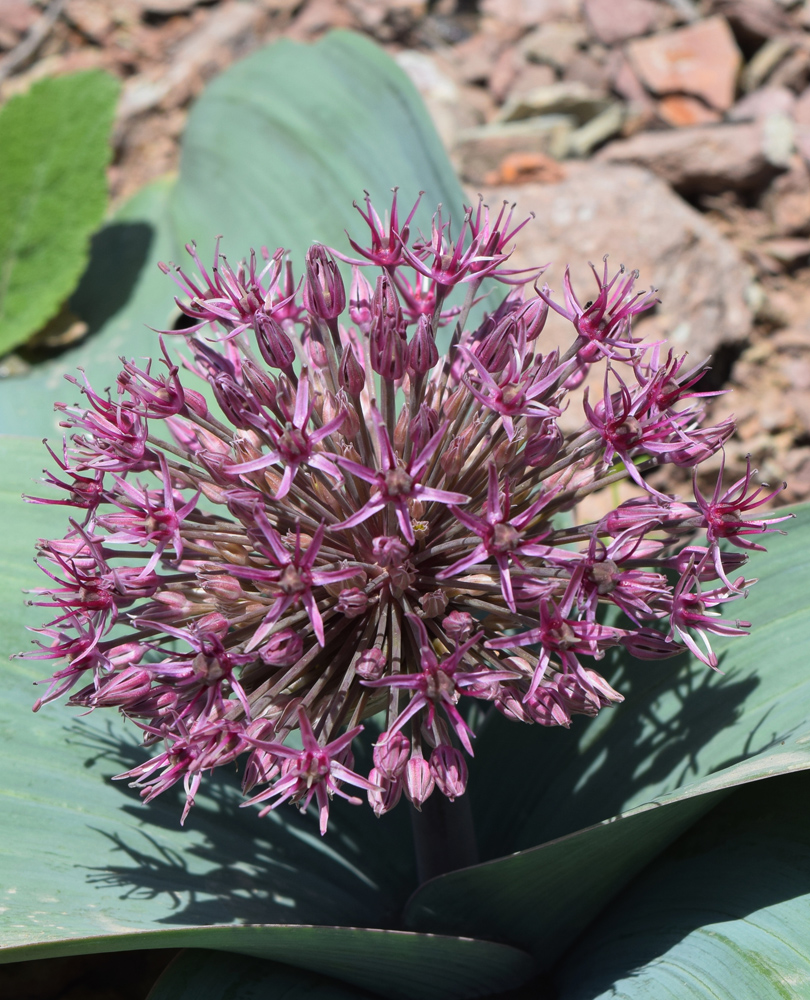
(32, 41)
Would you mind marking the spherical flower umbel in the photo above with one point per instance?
(345, 523)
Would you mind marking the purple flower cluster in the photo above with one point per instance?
(344, 524)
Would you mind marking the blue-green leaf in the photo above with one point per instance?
(86, 867)
(724, 914)
(213, 975)
(542, 897)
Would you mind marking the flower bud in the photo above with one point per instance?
(360, 299)
(371, 664)
(452, 458)
(274, 345)
(544, 440)
(383, 798)
(535, 316)
(419, 782)
(391, 753)
(458, 625)
(352, 602)
(262, 385)
(649, 644)
(401, 430)
(434, 603)
(449, 770)
(351, 374)
(422, 351)
(423, 426)
(324, 293)
(389, 551)
(282, 649)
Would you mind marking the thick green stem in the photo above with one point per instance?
(443, 836)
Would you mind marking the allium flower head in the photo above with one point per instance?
(342, 523)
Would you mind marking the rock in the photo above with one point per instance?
(597, 131)
(801, 109)
(701, 59)
(787, 200)
(511, 74)
(480, 151)
(681, 110)
(526, 168)
(778, 139)
(633, 216)
(17, 17)
(594, 67)
(445, 100)
(753, 20)
(792, 72)
(387, 20)
(231, 30)
(166, 8)
(554, 43)
(787, 250)
(706, 159)
(763, 102)
(530, 13)
(92, 17)
(616, 21)
(574, 99)
(627, 84)
(475, 58)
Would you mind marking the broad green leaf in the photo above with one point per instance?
(542, 897)
(211, 975)
(122, 293)
(261, 170)
(278, 148)
(432, 969)
(680, 720)
(54, 149)
(724, 914)
(85, 866)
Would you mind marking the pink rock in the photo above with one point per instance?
(615, 21)
(624, 211)
(756, 19)
(530, 13)
(701, 59)
(703, 159)
(801, 110)
(764, 102)
(682, 110)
